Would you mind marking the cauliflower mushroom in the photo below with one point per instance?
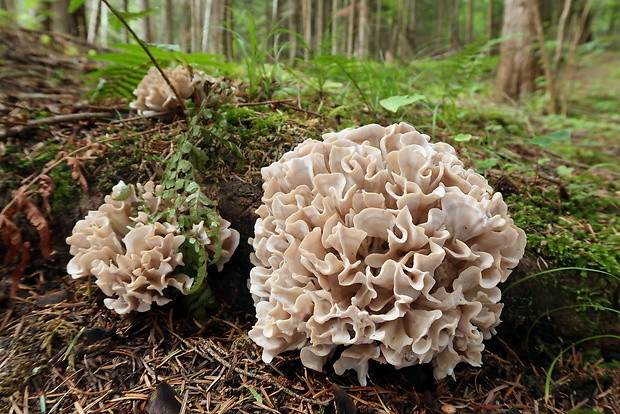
(132, 258)
(381, 243)
(154, 96)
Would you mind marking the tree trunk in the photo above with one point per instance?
(490, 32)
(293, 27)
(94, 20)
(145, 23)
(206, 29)
(362, 38)
(440, 25)
(275, 22)
(351, 29)
(334, 37)
(227, 34)
(166, 22)
(306, 20)
(549, 74)
(318, 31)
(571, 61)
(469, 23)
(518, 69)
(411, 25)
(103, 27)
(560, 39)
(125, 9)
(613, 18)
(453, 26)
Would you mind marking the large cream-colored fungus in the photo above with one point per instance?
(132, 259)
(379, 242)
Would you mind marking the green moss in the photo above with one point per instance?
(67, 193)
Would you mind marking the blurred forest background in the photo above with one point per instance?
(400, 31)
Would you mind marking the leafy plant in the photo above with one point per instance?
(263, 76)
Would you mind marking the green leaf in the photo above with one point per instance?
(488, 163)
(128, 16)
(462, 137)
(553, 138)
(255, 394)
(186, 147)
(75, 4)
(564, 171)
(191, 187)
(124, 193)
(393, 103)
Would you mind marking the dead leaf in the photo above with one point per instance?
(16, 276)
(34, 215)
(76, 173)
(11, 238)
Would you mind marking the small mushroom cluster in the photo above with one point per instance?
(379, 244)
(133, 258)
(154, 96)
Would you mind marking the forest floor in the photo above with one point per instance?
(63, 351)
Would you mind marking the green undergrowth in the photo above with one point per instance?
(580, 228)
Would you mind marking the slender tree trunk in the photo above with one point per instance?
(490, 34)
(440, 25)
(124, 8)
(319, 25)
(166, 22)
(334, 34)
(377, 34)
(571, 62)
(362, 38)
(206, 26)
(292, 26)
(453, 27)
(411, 25)
(549, 74)
(351, 29)
(306, 20)
(94, 20)
(469, 23)
(103, 27)
(144, 29)
(560, 39)
(518, 69)
(275, 18)
(227, 34)
(613, 18)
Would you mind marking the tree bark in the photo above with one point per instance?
(549, 74)
(206, 29)
(518, 69)
(469, 23)
(306, 20)
(319, 25)
(571, 61)
(227, 34)
(145, 23)
(103, 27)
(560, 39)
(453, 26)
(334, 34)
(440, 25)
(94, 20)
(351, 29)
(362, 38)
(166, 22)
